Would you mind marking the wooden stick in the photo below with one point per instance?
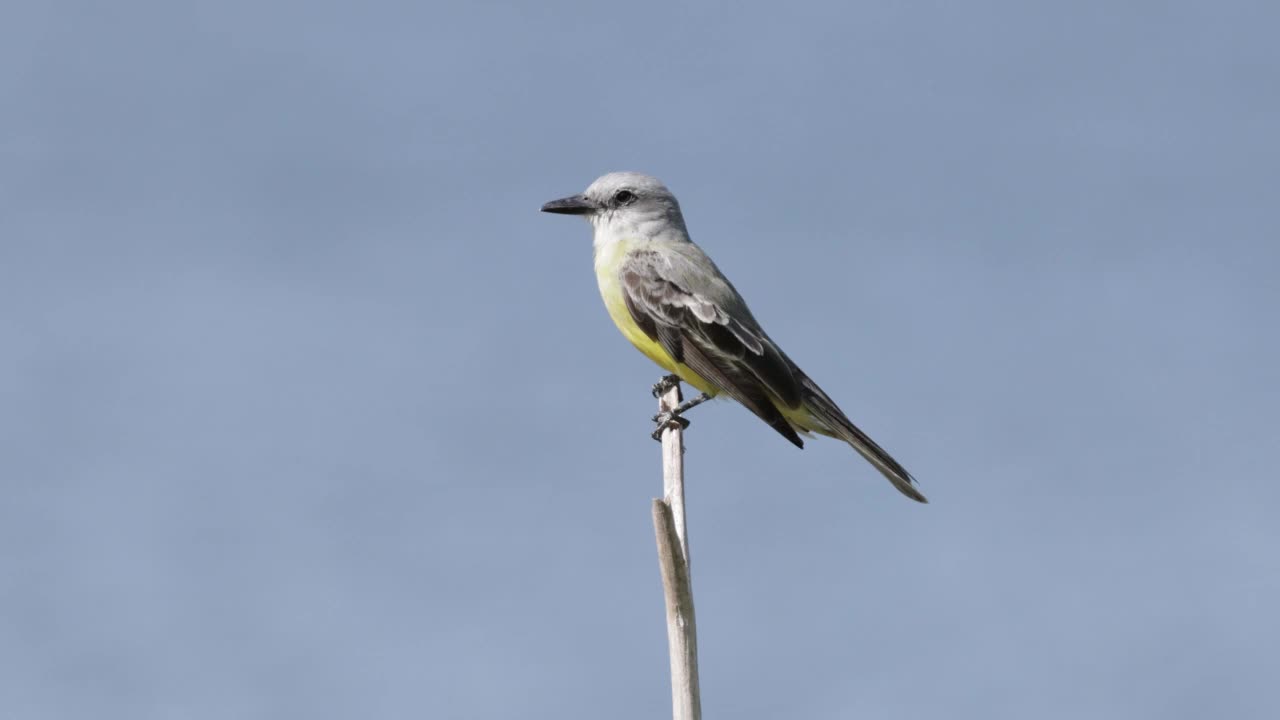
(673, 559)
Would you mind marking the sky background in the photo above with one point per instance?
(306, 410)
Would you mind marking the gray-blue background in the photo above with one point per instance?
(308, 412)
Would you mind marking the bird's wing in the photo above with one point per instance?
(712, 337)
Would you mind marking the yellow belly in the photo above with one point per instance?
(608, 261)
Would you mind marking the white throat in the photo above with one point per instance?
(633, 225)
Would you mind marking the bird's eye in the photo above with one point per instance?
(624, 197)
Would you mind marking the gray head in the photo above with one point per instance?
(626, 204)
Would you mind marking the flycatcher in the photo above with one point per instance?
(676, 307)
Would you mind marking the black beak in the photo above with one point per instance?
(572, 205)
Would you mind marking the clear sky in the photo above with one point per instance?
(307, 412)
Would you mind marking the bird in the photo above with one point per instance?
(670, 300)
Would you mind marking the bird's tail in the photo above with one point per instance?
(829, 420)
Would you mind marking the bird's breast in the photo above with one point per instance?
(608, 263)
(609, 260)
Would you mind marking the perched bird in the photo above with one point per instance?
(676, 307)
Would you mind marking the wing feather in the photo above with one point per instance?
(715, 337)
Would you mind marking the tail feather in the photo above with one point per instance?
(823, 410)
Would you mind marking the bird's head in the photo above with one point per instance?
(626, 205)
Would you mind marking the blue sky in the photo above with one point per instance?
(306, 411)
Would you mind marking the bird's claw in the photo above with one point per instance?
(666, 420)
(666, 383)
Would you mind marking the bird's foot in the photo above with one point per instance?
(668, 419)
(661, 387)
(691, 403)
